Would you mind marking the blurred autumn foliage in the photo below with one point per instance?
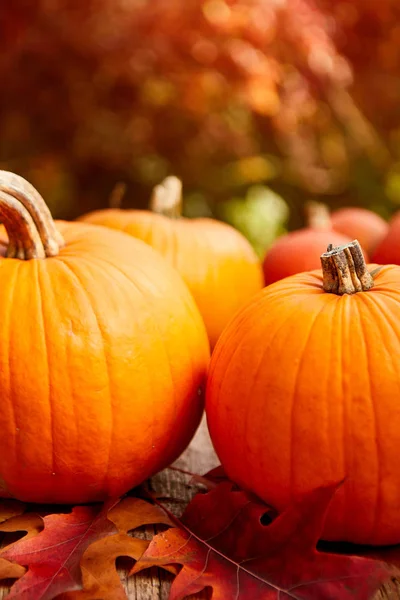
(300, 95)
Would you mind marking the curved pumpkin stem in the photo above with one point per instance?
(166, 198)
(344, 270)
(117, 194)
(317, 215)
(27, 219)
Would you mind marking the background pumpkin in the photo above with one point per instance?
(218, 264)
(388, 251)
(103, 355)
(300, 250)
(303, 390)
(361, 224)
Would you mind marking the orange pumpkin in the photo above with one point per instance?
(300, 250)
(388, 251)
(218, 264)
(303, 390)
(361, 224)
(103, 355)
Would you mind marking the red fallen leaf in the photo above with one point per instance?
(222, 543)
(99, 575)
(196, 479)
(53, 556)
(216, 475)
(210, 480)
(388, 554)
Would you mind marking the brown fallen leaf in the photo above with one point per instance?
(221, 543)
(10, 521)
(100, 578)
(31, 523)
(53, 556)
(9, 570)
(132, 513)
(99, 574)
(11, 508)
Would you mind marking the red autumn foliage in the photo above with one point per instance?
(99, 576)
(225, 545)
(222, 542)
(67, 552)
(53, 557)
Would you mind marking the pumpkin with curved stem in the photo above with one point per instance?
(103, 354)
(300, 250)
(218, 264)
(362, 224)
(303, 390)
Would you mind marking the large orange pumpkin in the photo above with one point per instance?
(304, 390)
(218, 264)
(103, 355)
(361, 224)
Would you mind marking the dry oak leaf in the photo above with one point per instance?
(99, 574)
(222, 543)
(31, 523)
(9, 570)
(11, 508)
(53, 556)
(13, 520)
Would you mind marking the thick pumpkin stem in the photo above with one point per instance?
(317, 215)
(27, 219)
(166, 198)
(344, 270)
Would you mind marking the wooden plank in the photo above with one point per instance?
(198, 458)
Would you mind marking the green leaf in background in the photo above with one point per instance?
(261, 216)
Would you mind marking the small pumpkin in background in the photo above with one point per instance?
(217, 263)
(361, 224)
(103, 355)
(303, 390)
(300, 250)
(388, 251)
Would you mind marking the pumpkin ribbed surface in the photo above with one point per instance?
(303, 390)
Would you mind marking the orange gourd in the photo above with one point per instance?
(388, 251)
(300, 250)
(103, 355)
(303, 390)
(218, 264)
(361, 224)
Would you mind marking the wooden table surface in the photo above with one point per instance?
(198, 458)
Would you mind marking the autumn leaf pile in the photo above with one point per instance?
(226, 541)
